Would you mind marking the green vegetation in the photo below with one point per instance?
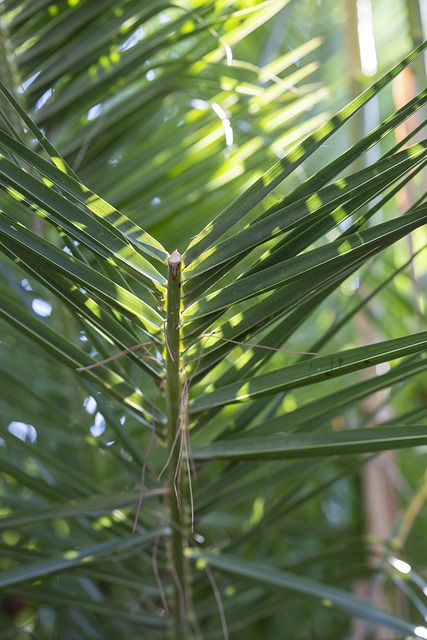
(212, 312)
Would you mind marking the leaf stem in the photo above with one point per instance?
(173, 401)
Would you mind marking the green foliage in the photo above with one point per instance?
(181, 453)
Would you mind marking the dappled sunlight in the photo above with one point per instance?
(280, 88)
(93, 307)
(222, 115)
(41, 307)
(283, 142)
(11, 538)
(23, 431)
(287, 114)
(365, 28)
(15, 194)
(351, 191)
(198, 435)
(257, 511)
(400, 565)
(314, 202)
(316, 369)
(99, 425)
(59, 162)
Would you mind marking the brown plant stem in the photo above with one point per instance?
(180, 603)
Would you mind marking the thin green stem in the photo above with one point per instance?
(173, 400)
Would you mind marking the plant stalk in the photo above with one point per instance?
(173, 401)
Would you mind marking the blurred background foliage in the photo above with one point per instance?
(169, 111)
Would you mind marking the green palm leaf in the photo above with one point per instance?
(224, 416)
(269, 577)
(259, 190)
(316, 369)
